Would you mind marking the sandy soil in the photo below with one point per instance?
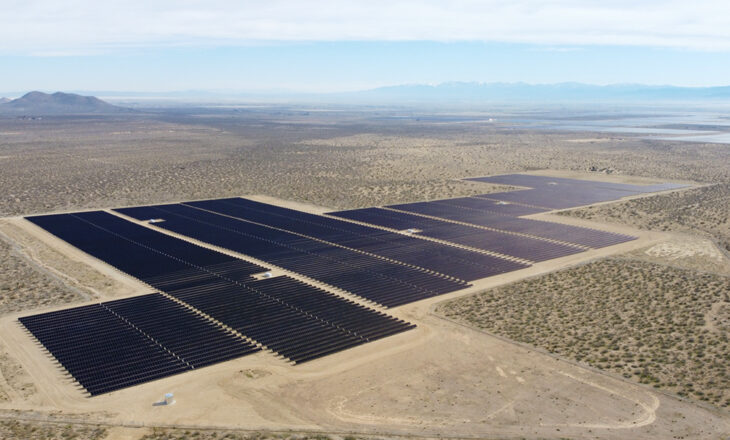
(687, 252)
(441, 379)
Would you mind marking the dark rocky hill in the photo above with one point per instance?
(39, 103)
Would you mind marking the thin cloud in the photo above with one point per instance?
(85, 26)
(559, 49)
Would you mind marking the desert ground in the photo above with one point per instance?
(528, 354)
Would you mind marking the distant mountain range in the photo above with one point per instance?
(563, 92)
(39, 103)
(458, 92)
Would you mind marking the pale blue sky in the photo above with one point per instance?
(324, 45)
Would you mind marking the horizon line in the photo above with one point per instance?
(282, 91)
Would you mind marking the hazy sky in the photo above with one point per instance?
(344, 45)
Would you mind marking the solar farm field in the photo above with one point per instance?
(210, 306)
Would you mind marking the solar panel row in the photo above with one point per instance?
(296, 320)
(384, 282)
(386, 218)
(588, 237)
(442, 210)
(550, 198)
(542, 229)
(441, 258)
(196, 341)
(122, 343)
(490, 206)
(561, 193)
(554, 231)
(526, 248)
(141, 252)
(531, 181)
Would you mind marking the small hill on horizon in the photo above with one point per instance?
(59, 103)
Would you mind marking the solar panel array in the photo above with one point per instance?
(386, 218)
(490, 206)
(294, 319)
(588, 237)
(459, 211)
(121, 343)
(450, 260)
(139, 251)
(561, 193)
(376, 279)
(526, 248)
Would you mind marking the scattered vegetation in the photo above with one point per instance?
(661, 326)
(183, 434)
(21, 430)
(23, 286)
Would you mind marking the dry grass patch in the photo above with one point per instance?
(658, 325)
